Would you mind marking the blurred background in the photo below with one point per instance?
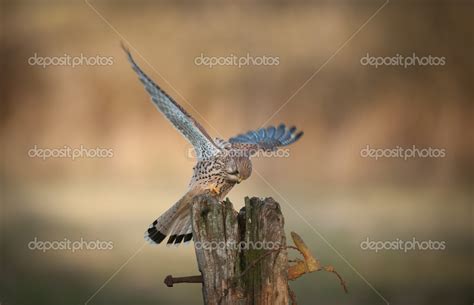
(330, 195)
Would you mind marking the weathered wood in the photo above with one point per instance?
(242, 256)
(214, 226)
(263, 223)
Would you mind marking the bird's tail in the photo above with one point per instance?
(175, 222)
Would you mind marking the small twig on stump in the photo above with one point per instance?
(309, 264)
(343, 283)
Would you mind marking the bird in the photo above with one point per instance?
(221, 164)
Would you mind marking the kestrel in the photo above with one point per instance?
(220, 164)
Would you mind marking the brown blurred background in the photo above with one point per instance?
(346, 106)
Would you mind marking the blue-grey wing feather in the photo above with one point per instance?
(194, 133)
(269, 138)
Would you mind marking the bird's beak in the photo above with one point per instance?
(240, 180)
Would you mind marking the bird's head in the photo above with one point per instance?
(238, 169)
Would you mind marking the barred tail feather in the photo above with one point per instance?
(182, 232)
(153, 236)
(175, 222)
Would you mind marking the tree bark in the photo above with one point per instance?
(242, 256)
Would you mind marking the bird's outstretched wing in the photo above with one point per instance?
(269, 138)
(203, 144)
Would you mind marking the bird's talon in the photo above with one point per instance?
(214, 189)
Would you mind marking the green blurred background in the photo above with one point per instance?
(324, 183)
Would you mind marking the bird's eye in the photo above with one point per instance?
(233, 172)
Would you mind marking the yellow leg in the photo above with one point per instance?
(214, 188)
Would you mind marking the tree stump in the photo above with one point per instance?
(242, 256)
